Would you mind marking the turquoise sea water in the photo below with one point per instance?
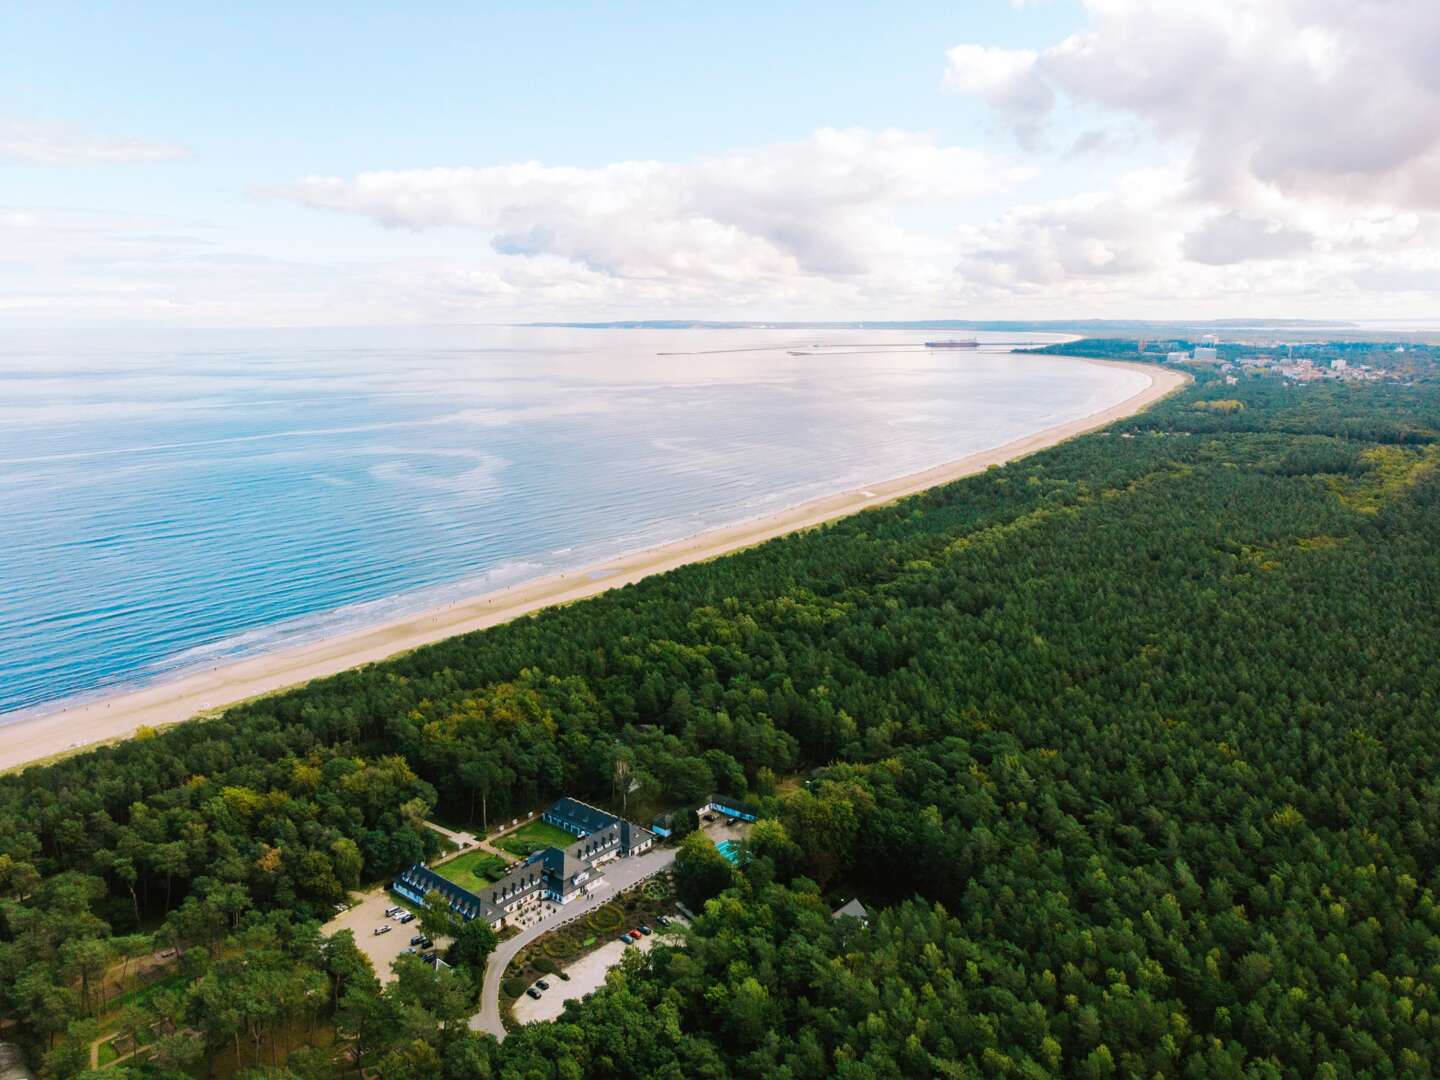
(175, 500)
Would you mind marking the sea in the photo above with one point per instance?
(172, 500)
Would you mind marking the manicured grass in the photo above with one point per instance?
(473, 870)
(530, 838)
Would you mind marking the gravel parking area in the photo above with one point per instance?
(364, 917)
(586, 975)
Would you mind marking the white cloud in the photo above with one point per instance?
(39, 144)
(827, 207)
(1300, 142)
(1330, 98)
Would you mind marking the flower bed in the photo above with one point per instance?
(559, 946)
(605, 920)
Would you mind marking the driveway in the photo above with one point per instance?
(619, 876)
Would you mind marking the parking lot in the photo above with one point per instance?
(364, 917)
(586, 975)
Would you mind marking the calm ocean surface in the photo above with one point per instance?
(175, 500)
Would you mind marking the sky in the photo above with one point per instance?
(319, 164)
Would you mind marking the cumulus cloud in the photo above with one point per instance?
(1332, 98)
(1095, 235)
(39, 144)
(1234, 237)
(825, 207)
(1005, 78)
(1302, 142)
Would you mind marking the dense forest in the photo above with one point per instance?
(1131, 746)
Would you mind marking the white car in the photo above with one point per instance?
(383, 930)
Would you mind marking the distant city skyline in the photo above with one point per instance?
(319, 165)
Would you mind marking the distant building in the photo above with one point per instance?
(1205, 354)
(1338, 365)
(1231, 380)
(556, 875)
(1176, 357)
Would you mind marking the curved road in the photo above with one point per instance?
(619, 876)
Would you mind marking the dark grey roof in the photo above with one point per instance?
(632, 835)
(581, 816)
(854, 909)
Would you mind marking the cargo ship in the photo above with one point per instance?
(967, 343)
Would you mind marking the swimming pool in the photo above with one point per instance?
(730, 849)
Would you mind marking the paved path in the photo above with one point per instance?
(619, 876)
(478, 840)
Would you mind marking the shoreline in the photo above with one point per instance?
(83, 725)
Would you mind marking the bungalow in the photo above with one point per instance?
(724, 804)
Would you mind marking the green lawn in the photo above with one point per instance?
(534, 836)
(473, 870)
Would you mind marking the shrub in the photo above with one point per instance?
(605, 919)
(546, 965)
(559, 946)
(513, 987)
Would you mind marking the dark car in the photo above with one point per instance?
(425, 941)
(646, 931)
(542, 984)
(419, 939)
(408, 917)
(663, 920)
(533, 993)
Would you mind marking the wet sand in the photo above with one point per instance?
(68, 728)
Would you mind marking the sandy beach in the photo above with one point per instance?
(70, 727)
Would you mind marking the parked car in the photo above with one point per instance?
(430, 958)
(562, 976)
(382, 930)
(709, 817)
(732, 821)
(408, 917)
(533, 993)
(626, 938)
(663, 920)
(646, 931)
(542, 984)
(425, 941)
(635, 933)
(418, 939)
(391, 912)
(407, 952)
